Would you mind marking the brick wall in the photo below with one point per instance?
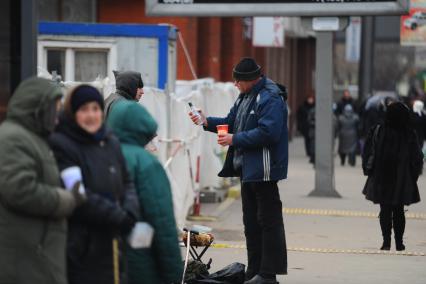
(214, 44)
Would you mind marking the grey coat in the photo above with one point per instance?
(347, 131)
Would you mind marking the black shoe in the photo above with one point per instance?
(400, 246)
(386, 245)
(260, 280)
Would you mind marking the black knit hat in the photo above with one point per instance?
(84, 94)
(246, 70)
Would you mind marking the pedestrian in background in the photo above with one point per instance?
(129, 86)
(303, 122)
(111, 210)
(347, 132)
(344, 101)
(419, 121)
(311, 135)
(393, 161)
(258, 154)
(162, 262)
(33, 206)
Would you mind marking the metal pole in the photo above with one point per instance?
(28, 39)
(366, 73)
(324, 140)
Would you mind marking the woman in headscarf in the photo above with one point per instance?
(111, 210)
(34, 206)
(393, 161)
(162, 262)
(347, 131)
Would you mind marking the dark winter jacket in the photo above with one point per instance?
(398, 162)
(342, 103)
(264, 138)
(111, 206)
(32, 235)
(302, 118)
(162, 263)
(126, 84)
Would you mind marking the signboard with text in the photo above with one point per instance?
(275, 7)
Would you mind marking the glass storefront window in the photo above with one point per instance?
(90, 64)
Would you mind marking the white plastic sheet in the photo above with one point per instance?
(171, 114)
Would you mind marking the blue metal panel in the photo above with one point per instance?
(162, 32)
(112, 30)
(163, 57)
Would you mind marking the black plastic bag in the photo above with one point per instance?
(195, 270)
(231, 274)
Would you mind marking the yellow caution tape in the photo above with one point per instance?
(336, 251)
(345, 213)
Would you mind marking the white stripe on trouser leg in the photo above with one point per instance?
(264, 165)
(268, 165)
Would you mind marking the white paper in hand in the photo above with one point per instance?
(141, 235)
(72, 175)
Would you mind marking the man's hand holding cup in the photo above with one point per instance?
(223, 137)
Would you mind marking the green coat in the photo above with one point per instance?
(32, 233)
(162, 263)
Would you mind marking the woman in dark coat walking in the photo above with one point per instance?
(393, 161)
(112, 208)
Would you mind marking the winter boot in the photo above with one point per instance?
(399, 227)
(386, 226)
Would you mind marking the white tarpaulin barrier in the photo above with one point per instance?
(215, 99)
(192, 148)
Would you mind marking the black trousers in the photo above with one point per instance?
(392, 216)
(351, 157)
(263, 228)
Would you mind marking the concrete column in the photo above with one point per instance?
(324, 138)
(28, 39)
(366, 73)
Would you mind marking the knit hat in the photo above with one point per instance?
(84, 94)
(246, 70)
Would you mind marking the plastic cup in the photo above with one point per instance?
(141, 235)
(72, 175)
(222, 129)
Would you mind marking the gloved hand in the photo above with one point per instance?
(127, 224)
(80, 197)
(68, 201)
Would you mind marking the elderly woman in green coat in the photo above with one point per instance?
(33, 204)
(162, 262)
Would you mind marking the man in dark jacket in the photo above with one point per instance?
(345, 100)
(33, 206)
(303, 122)
(129, 86)
(258, 154)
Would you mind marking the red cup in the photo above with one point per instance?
(222, 129)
